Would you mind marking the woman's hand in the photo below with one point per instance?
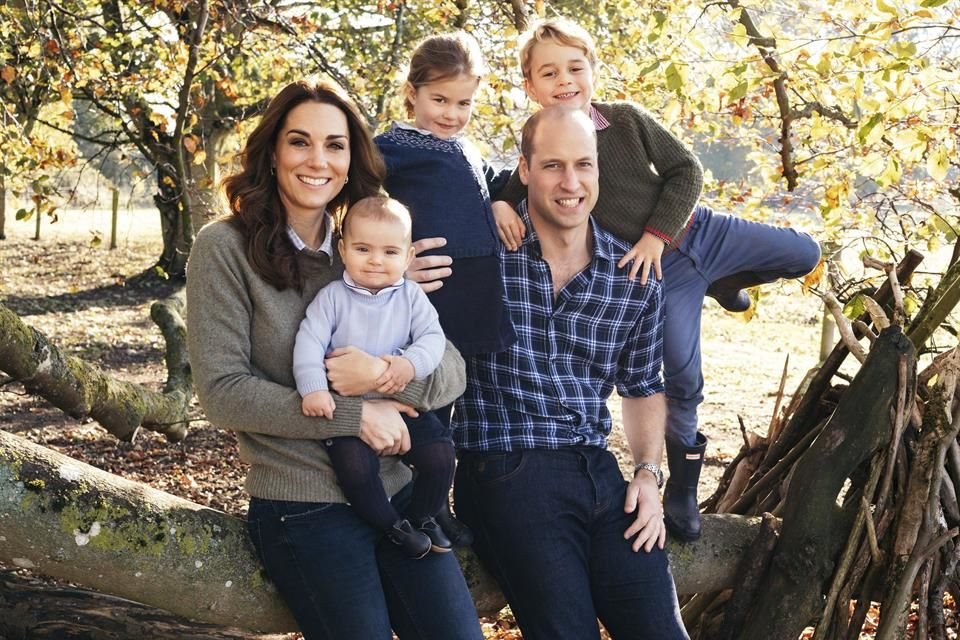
(352, 372)
(429, 271)
(645, 254)
(510, 226)
(382, 428)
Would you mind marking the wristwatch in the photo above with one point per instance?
(652, 468)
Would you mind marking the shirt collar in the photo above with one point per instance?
(353, 286)
(325, 247)
(410, 127)
(599, 121)
(602, 243)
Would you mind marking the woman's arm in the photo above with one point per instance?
(233, 394)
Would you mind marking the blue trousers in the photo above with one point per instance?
(343, 580)
(549, 525)
(715, 246)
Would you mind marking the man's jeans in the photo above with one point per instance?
(716, 246)
(549, 525)
(342, 579)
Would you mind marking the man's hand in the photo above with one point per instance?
(645, 255)
(318, 404)
(510, 226)
(429, 271)
(643, 498)
(398, 375)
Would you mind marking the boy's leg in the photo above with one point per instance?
(529, 511)
(358, 473)
(633, 591)
(684, 287)
(432, 456)
(733, 253)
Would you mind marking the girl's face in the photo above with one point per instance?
(311, 158)
(443, 107)
(559, 74)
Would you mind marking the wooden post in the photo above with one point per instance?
(114, 206)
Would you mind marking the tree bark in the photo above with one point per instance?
(62, 518)
(81, 389)
(813, 531)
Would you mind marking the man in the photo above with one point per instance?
(567, 537)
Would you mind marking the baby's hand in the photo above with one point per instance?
(645, 254)
(398, 375)
(319, 404)
(510, 226)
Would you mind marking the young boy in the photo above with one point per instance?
(649, 186)
(375, 309)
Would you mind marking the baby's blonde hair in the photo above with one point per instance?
(379, 209)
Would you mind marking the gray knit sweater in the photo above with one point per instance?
(240, 333)
(649, 180)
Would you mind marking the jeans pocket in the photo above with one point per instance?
(497, 468)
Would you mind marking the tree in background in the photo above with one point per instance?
(847, 111)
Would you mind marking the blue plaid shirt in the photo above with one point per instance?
(550, 389)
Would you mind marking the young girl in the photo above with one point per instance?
(439, 175)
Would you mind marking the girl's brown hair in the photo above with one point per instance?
(442, 57)
(255, 206)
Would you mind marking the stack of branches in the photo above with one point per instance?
(856, 482)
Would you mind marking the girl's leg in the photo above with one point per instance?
(322, 557)
(432, 456)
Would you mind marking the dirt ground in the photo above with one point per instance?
(77, 294)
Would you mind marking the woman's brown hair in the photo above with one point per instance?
(252, 192)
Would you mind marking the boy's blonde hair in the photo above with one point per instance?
(442, 57)
(379, 209)
(564, 32)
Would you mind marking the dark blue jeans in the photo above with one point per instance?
(342, 580)
(549, 525)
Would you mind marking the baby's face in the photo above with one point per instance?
(375, 252)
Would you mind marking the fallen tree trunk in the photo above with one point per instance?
(65, 519)
(81, 389)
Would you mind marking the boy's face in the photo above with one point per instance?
(443, 108)
(375, 252)
(559, 74)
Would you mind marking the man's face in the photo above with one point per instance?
(561, 175)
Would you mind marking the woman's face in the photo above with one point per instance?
(311, 158)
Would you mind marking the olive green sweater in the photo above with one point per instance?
(240, 333)
(649, 180)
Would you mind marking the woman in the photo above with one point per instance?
(249, 280)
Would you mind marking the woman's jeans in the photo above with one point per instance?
(716, 246)
(342, 580)
(549, 525)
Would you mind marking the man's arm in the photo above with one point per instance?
(644, 423)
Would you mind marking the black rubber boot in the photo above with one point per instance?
(729, 290)
(681, 513)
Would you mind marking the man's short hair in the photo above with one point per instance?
(552, 114)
